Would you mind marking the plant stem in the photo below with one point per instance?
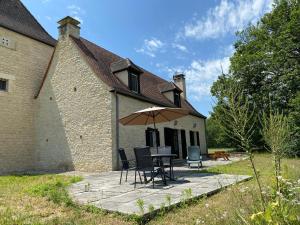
(258, 183)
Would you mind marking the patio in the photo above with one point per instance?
(104, 191)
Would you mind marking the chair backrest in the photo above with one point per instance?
(125, 163)
(194, 153)
(143, 158)
(165, 150)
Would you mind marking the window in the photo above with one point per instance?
(134, 82)
(3, 85)
(152, 137)
(177, 101)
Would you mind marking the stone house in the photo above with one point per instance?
(60, 101)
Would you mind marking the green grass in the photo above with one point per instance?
(43, 199)
(212, 150)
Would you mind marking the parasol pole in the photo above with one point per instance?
(153, 117)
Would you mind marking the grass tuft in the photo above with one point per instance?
(55, 189)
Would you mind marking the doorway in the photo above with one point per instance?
(183, 144)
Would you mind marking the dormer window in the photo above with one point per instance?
(133, 81)
(177, 100)
(128, 73)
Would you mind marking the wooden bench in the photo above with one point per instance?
(219, 154)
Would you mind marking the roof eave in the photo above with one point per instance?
(143, 98)
(26, 35)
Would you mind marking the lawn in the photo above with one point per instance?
(43, 199)
(212, 150)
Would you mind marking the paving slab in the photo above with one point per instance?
(104, 191)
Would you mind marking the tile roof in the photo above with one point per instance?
(168, 86)
(100, 61)
(14, 16)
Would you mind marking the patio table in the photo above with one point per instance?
(161, 171)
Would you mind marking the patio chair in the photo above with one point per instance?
(126, 164)
(166, 161)
(144, 163)
(194, 156)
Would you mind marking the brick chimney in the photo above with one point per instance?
(179, 80)
(69, 26)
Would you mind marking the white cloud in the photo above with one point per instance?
(227, 17)
(201, 74)
(151, 46)
(49, 18)
(76, 12)
(180, 47)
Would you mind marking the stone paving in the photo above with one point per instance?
(104, 191)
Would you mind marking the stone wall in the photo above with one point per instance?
(23, 64)
(73, 123)
(132, 136)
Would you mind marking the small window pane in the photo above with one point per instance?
(3, 85)
(177, 101)
(134, 82)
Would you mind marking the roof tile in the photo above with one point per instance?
(101, 59)
(14, 16)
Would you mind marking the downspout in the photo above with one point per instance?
(117, 128)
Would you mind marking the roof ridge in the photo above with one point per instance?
(16, 17)
(36, 20)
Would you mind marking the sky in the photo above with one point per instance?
(195, 37)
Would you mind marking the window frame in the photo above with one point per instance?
(151, 135)
(130, 82)
(6, 85)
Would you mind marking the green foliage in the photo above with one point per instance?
(151, 208)
(282, 208)
(186, 195)
(168, 199)
(276, 133)
(266, 63)
(216, 136)
(294, 119)
(55, 190)
(141, 204)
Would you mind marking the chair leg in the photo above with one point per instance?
(121, 176)
(145, 178)
(140, 177)
(152, 177)
(126, 175)
(134, 178)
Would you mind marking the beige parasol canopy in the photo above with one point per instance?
(153, 115)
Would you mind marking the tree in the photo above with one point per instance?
(266, 63)
(216, 136)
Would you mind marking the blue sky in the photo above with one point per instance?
(162, 36)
